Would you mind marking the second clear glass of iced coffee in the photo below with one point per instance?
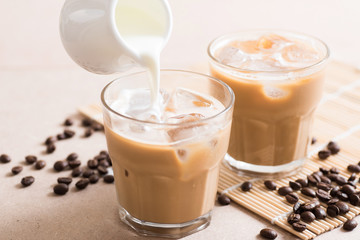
(277, 78)
(166, 169)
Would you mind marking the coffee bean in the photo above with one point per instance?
(285, 190)
(270, 185)
(340, 180)
(72, 157)
(109, 161)
(309, 205)
(313, 179)
(334, 170)
(350, 225)
(223, 199)
(308, 192)
(319, 173)
(333, 147)
(307, 216)
(102, 170)
(27, 181)
(334, 191)
(104, 163)
(246, 186)
(332, 176)
(87, 173)
(303, 182)
(348, 189)
(352, 177)
(351, 183)
(332, 210)
(100, 157)
(68, 122)
(325, 180)
(342, 196)
(86, 122)
(324, 186)
(61, 136)
(40, 164)
(50, 148)
(295, 185)
(104, 152)
(343, 207)
(65, 180)
(353, 168)
(76, 172)
(69, 133)
(299, 227)
(88, 132)
(109, 178)
(50, 140)
(324, 154)
(97, 127)
(61, 189)
(60, 165)
(16, 170)
(74, 164)
(268, 233)
(93, 163)
(292, 198)
(293, 218)
(323, 196)
(324, 170)
(354, 199)
(82, 183)
(319, 213)
(94, 178)
(30, 159)
(313, 140)
(332, 201)
(297, 207)
(4, 158)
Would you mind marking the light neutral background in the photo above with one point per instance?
(40, 86)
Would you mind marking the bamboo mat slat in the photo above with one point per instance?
(337, 119)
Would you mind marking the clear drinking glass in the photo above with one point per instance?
(166, 174)
(274, 107)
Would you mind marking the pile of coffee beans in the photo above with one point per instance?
(331, 149)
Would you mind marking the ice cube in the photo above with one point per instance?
(232, 56)
(184, 99)
(271, 42)
(186, 131)
(268, 64)
(182, 118)
(274, 92)
(300, 53)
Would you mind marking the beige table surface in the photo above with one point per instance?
(40, 86)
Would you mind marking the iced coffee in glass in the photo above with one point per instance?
(277, 78)
(166, 160)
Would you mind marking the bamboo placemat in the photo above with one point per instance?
(337, 119)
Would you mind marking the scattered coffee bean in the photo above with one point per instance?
(283, 191)
(246, 186)
(348, 189)
(61, 189)
(308, 192)
(82, 183)
(102, 170)
(40, 164)
(319, 213)
(324, 154)
(299, 227)
(313, 140)
(333, 147)
(104, 163)
(319, 173)
(295, 185)
(65, 180)
(93, 163)
(16, 170)
(343, 207)
(72, 157)
(350, 225)
(297, 207)
(87, 173)
(30, 159)
(100, 157)
(342, 196)
(354, 199)
(94, 178)
(4, 158)
(86, 122)
(354, 168)
(104, 152)
(50, 148)
(307, 216)
(50, 140)
(292, 198)
(109, 178)
(74, 164)
(325, 179)
(97, 127)
(293, 218)
(268, 233)
(332, 210)
(334, 170)
(332, 176)
(309, 206)
(68, 122)
(303, 182)
(334, 191)
(88, 132)
(352, 177)
(27, 181)
(60, 165)
(324, 186)
(340, 180)
(69, 133)
(270, 185)
(313, 179)
(324, 170)
(323, 195)
(76, 172)
(332, 201)
(61, 136)
(223, 199)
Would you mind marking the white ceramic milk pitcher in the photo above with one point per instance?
(97, 34)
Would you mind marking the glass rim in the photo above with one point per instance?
(285, 71)
(222, 112)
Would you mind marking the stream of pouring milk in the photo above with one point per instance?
(145, 35)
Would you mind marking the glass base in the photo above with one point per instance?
(176, 230)
(251, 170)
